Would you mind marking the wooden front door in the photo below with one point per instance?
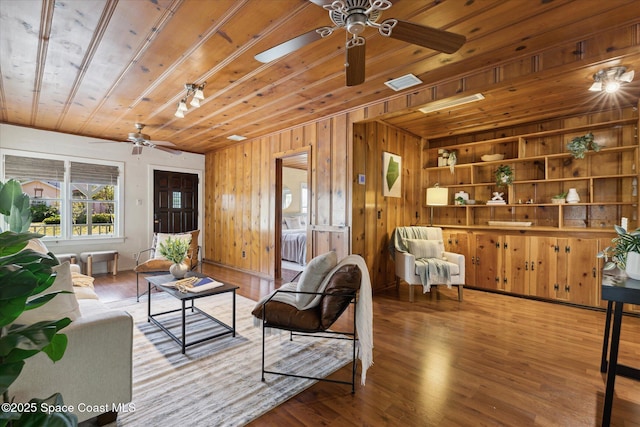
(175, 202)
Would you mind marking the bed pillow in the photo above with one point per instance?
(313, 275)
(60, 306)
(424, 248)
(161, 237)
(293, 223)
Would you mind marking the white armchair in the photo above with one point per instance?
(406, 261)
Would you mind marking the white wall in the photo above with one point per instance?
(293, 178)
(138, 184)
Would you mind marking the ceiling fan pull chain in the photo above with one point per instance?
(386, 27)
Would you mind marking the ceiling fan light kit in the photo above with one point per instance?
(354, 16)
(611, 79)
(197, 94)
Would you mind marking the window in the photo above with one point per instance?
(304, 198)
(70, 197)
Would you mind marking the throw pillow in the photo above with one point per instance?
(37, 246)
(161, 237)
(313, 275)
(424, 248)
(60, 306)
(293, 223)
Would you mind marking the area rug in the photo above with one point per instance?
(217, 382)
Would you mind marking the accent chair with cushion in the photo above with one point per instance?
(156, 263)
(422, 261)
(311, 306)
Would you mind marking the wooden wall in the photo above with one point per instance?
(375, 216)
(240, 195)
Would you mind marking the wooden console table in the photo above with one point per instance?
(617, 291)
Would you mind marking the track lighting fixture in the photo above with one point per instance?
(610, 79)
(197, 95)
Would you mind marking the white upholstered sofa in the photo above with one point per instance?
(95, 373)
(425, 242)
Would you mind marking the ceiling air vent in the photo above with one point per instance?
(448, 103)
(403, 82)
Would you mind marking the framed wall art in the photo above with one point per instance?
(391, 176)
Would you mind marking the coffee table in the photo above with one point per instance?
(160, 280)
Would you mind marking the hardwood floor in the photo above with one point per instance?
(491, 360)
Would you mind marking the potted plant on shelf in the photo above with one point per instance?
(559, 199)
(504, 176)
(25, 273)
(624, 253)
(175, 250)
(579, 145)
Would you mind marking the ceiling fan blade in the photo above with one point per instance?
(428, 37)
(287, 47)
(168, 150)
(137, 149)
(165, 143)
(355, 65)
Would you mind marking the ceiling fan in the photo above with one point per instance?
(141, 140)
(354, 16)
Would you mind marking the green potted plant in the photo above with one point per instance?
(175, 250)
(579, 145)
(25, 273)
(558, 199)
(504, 176)
(623, 245)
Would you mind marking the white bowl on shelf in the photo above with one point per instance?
(492, 157)
(471, 202)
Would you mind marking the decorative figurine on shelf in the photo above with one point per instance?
(497, 199)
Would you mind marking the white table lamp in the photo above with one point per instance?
(437, 196)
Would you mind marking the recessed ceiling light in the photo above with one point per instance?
(448, 103)
(403, 82)
(237, 138)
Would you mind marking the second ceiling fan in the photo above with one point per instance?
(354, 16)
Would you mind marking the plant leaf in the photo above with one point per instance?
(8, 374)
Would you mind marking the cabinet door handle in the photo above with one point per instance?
(556, 286)
(556, 248)
(567, 288)
(567, 249)
(497, 279)
(456, 241)
(477, 260)
(473, 260)
(594, 272)
(498, 245)
(526, 266)
(505, 245)
(532, 264)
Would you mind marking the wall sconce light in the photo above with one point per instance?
(437, 196)
(610, 79)
(197, 95)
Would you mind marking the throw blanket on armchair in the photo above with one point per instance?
(433, 270)
(430, 270)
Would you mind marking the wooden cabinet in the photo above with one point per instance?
(606, 181)
(573, 268)
(563, 269)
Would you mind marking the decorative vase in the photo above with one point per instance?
(633, 265)
(179, 270)
(572, 196)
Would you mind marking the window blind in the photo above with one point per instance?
(88, 173)
(30, 168)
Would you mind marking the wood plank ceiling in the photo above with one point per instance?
(96, 67)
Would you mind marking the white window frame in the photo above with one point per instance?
(66, 195)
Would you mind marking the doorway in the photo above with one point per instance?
(175, 202)
(292, 217)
